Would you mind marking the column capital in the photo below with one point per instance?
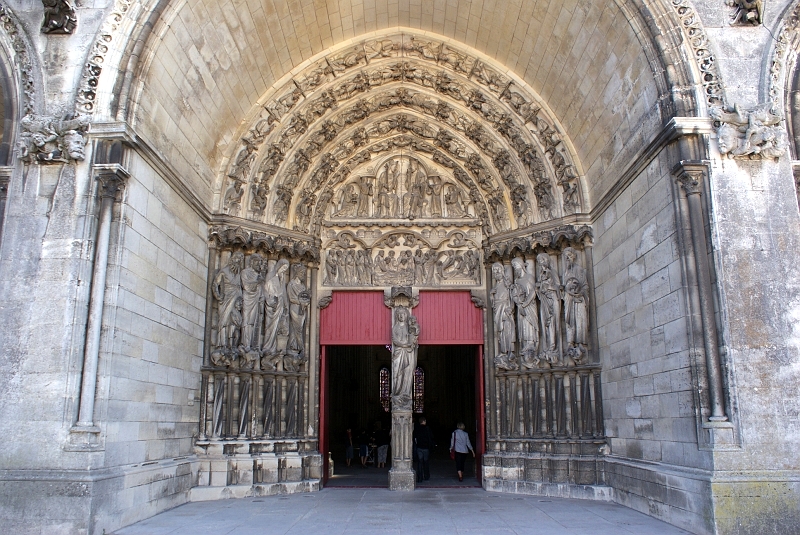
(691, 175)
(112, 178)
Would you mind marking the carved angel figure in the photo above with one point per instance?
(454, 202)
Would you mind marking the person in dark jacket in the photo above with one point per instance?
(423, 440)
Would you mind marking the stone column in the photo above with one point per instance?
(691, 177)
(405, 333)
(111, 177)
(5, 175)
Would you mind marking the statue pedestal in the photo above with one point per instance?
(402, 479)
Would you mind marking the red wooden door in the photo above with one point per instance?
(355, 319)
(448, 318)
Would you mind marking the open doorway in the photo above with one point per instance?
(356, 396)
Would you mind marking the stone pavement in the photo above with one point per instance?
(424, 511)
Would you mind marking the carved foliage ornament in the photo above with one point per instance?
(59, 17)
(551, 239)
(698, 40)
(752, 134)
(12, 30)
(87, 93)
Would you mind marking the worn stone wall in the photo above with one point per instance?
(757, 487)
(150, 379)
(644, 336)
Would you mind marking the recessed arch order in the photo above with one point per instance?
(396, 93)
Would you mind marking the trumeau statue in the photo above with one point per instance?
(405, 333)
(503, 310)
(576, 306)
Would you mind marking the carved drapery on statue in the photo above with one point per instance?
(256, 377)
(405, 336)
(541, 320)
(546, 382)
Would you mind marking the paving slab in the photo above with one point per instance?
(467, 511)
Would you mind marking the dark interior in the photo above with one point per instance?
(354, 391)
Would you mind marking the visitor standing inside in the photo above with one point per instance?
(348, 452)
(460, 445)
(382, 438)
(423, 439)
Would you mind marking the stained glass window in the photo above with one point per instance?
(384, 383)
(419, 390)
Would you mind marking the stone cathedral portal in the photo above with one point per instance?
(400, 165)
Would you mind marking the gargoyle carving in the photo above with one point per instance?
(751, 134)
(49, 140)
(59, 17)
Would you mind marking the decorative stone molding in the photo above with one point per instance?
(552, 239)
(13, 30)
(87, 92)
(228, 236)
(784, 56)
(753, 134)
(59, 17)
(706, 61)
(84, 435)
(49, 140)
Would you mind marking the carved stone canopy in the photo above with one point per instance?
(317, 150)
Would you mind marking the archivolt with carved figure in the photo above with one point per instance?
(501, 150)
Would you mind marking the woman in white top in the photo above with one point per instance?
(460, 444)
